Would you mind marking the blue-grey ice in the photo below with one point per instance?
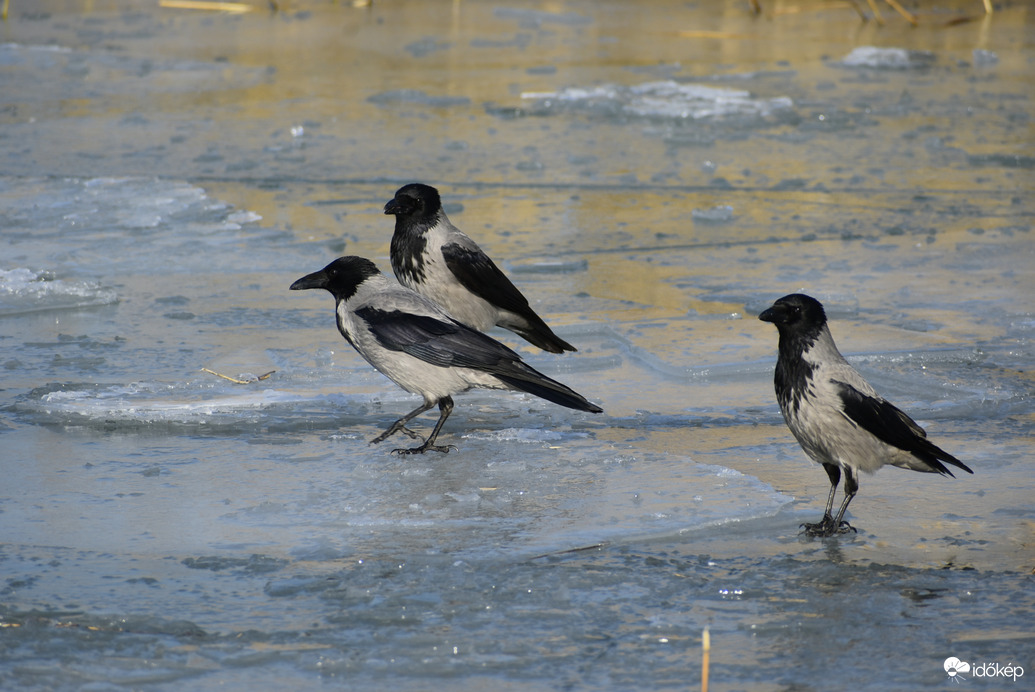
(190, 499)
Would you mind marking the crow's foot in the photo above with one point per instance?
(826, 528)
(394, 429)
(424, 448)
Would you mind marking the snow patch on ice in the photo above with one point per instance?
(24, 290)
(665, 99)
(872, 57)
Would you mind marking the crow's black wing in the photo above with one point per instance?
(479, 275)
(451, 344)
(436, 341)
(889, 424)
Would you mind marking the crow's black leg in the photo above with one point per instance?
(400, 425)
(851, 488)
(445, 405)
(825, 527)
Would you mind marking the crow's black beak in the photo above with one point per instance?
(314, 280)
(773, 314)
(393, 207)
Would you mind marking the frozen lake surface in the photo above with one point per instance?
(652, 177)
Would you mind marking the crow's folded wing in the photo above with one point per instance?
(434, 340)
(479, 275)
(890, 425)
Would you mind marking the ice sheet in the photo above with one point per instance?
(165, 174)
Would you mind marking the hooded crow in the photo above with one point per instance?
(836, 416)
(434, 258)
(418, 346)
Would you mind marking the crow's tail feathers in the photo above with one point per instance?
(935, 455)
(534, 382)
(538, 334)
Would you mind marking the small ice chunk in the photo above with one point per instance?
(876, 58)
(985, 58)
(244, 216)
(663, 99)
(719, 214)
